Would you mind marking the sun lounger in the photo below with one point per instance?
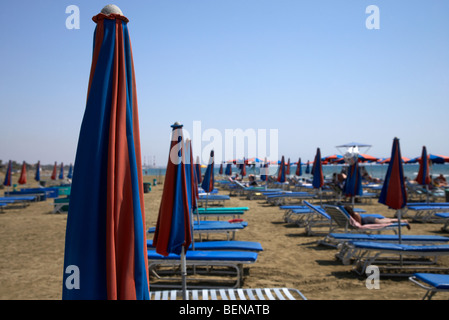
(214, 262)
(281, 198)
(61, 205)
(221, 245)
(16, 201)
(213, 199)
(336, 218)
(211, 227)
(424, 213)
(231, 294)
(397, 256)
(431, 282)
(445, 218)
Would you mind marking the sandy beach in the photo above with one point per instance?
(32, 251)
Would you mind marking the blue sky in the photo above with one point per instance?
(309, 69)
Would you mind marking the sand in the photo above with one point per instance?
(32, 252)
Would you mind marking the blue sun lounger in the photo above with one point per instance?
(424, 213)
(233, 260)
(209, 227)
(396, 255)
(431, 282)
(222, 245)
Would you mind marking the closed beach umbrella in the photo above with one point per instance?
(208, 181)
(23, 174)
(287, 169)
(281, 171)
(7, 182)
(70, 173)
(173, 229)
(61, 171)
(423, 177)
(394, 194)
(298, 168)
(317, 172)
(308, 167)
(198, 170)
(353, 183)
(105, 246)
(37, 176)
(228, 170)
(220, 171)
(53, 174)
(243, 168)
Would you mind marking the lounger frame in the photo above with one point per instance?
(231, 294)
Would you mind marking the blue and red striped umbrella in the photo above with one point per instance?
(70, 174)
(105, 247)
(208, 181)
(243, 168)
(173, 229)
(423, 177)
(198, 170)
(287, 169)
(353, 183)
(298, 168)
(394, 194)
(8, 181)
(281, 171)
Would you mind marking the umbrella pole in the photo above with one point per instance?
(399, 214)
(427, 193)
(183, 273)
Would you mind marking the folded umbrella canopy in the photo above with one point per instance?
(23, 174)
(353, 183)
(173, 232)
(298, 168)
(393, 193)
(61, 171)
(281, 171)
(7, 182)
(317, 172)
(105, 247)
(37, 176)
(423, 177)
(228, 170)
(53, 174)
(208, 181)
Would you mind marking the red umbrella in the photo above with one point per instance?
(281, 172)
(53, 174)
(23, 174)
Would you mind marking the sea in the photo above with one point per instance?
(375, 170)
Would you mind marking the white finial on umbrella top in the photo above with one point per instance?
(111, 8)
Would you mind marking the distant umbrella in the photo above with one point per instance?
(23, 174)
(7, 182)
(308, 167)
(208, 181)
(70, 174)
(317, 172)
(281, 172)
(243, 168)
(53, 174)
(287, 169)
(37, 176)
(353, 183)
(220, 171)
(228, 170)
(423, 177)
(61, 172)
(298, 168)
